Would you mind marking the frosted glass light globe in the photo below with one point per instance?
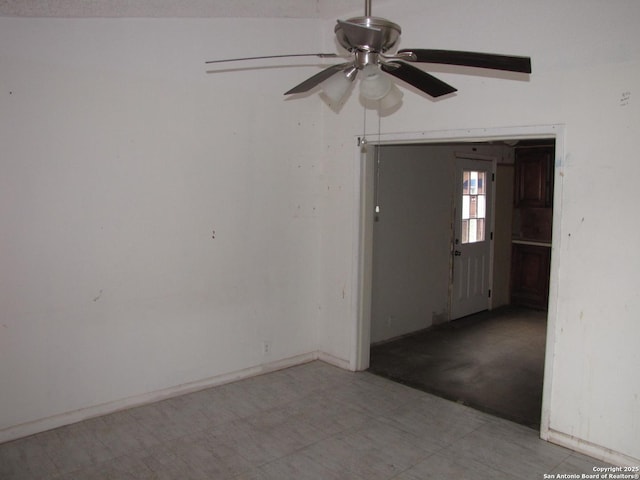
(336, 87)
(391, 99)
(374, 84)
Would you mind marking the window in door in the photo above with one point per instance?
(474, 202)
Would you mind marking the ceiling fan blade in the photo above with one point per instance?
(319, 55)
(318, 78)
(421, 80)
(361, 36)
(471, 59)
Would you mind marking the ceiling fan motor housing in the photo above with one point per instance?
(390, 33)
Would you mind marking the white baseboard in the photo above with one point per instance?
(596, 451)
(55, 421)
(335, 361)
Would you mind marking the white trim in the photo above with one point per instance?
(554, 286)
(362, 251)
(355, 359)
(596, 451)
(335, 361)
(525, 132)
(55, 421)
(362, 325)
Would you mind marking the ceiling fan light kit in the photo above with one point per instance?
(391, 100)
(336, 87)
(374, 84)
(368, 39)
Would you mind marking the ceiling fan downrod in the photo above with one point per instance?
(367, 8)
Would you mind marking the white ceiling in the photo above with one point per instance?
(181, 8)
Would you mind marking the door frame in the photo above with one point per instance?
(361, 276)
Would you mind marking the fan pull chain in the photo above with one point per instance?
(377, 185)
(363, 141)
(379, 129)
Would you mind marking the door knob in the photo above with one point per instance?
(457, 253)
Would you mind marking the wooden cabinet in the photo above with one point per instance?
(534, 177)
(532, 221)
(533, 224)
(533, 193)
(530, 275)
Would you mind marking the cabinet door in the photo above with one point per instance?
(530, 266)
(533, 177)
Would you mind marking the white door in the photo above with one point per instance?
(472, 237)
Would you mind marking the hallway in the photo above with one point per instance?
(492, 361)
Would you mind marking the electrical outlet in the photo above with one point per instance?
(266, 347)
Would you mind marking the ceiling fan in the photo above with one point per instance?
(368, 39)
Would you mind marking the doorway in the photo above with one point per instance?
(472, 229)
(438, 314)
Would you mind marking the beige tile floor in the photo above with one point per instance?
(313, 421)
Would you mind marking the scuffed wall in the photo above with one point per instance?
(158, 223)
(586, 67)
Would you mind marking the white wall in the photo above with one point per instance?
(586, 59)
(120, 156)
(411, 239)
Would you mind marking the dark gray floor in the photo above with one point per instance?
(492, 361)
